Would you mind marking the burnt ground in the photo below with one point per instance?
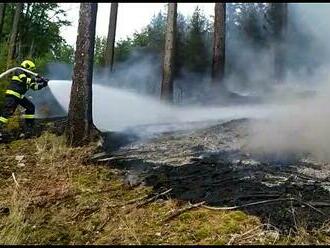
(211, 164)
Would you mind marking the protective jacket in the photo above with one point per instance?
(21, 82)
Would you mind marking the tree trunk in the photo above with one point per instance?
(219, 37)
(31, 51)
(19, 48)
(27, 10)
(279, 13)
(109, 51)
(2, 15)
(80, 126)
(168, 62)
(13, 35)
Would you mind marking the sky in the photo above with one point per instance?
(131, 17)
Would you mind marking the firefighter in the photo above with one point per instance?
(20, 83)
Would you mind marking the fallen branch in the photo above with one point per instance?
(153, 198)
(248, 204)
(312, 207)
(176, 213)
(85, 212)
(264, 202)
(320, 204)
(147, 199)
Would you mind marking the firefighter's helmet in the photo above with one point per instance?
(28, 64)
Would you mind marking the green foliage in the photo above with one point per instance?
(193, 47)
(180, 44)
(122, 50)
(64, 53)
(196, 56)
(40, 28)
(156, 32)
(100, 46)
(141, 39)
(251, 23)
(38, 37)
(41, 62)
(38, 33)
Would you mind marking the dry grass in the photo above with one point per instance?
(61, 199)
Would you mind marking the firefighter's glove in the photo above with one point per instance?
(45, 82)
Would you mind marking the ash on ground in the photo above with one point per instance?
(213, 164)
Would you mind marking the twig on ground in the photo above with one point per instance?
(293, 215)
(320, 204)
(264, 202)
(131, 230)
(248, 204)
(129, 202)
(202, 204)
(235, 236)
(177, 212)
(312, 207)
(144, 200)
(13, 175)
(153, 198)
(243, 236)
(86, 212)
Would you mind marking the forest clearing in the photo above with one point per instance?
(200, 128)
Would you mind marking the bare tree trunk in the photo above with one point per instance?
(31, 51)
(2, 15)
(168, 62)
(79, 130)
(109, 51)
(19, 48)
(219, 39)
(13, 35)
(279, 13)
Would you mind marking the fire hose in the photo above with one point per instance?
(23, 69)
(15, 68)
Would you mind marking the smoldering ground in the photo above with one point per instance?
(303, 126)
(296, 112)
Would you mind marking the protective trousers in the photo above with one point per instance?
(10, 105)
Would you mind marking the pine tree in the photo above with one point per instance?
(218, 62)
(14, 33)
(80, 126)
(196, 56)
(169, 51)
(279, 15)
(110, 47)
(2, 15)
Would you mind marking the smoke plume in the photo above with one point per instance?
(295, 114)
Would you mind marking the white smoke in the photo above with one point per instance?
(303, 127)
(296, 113)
